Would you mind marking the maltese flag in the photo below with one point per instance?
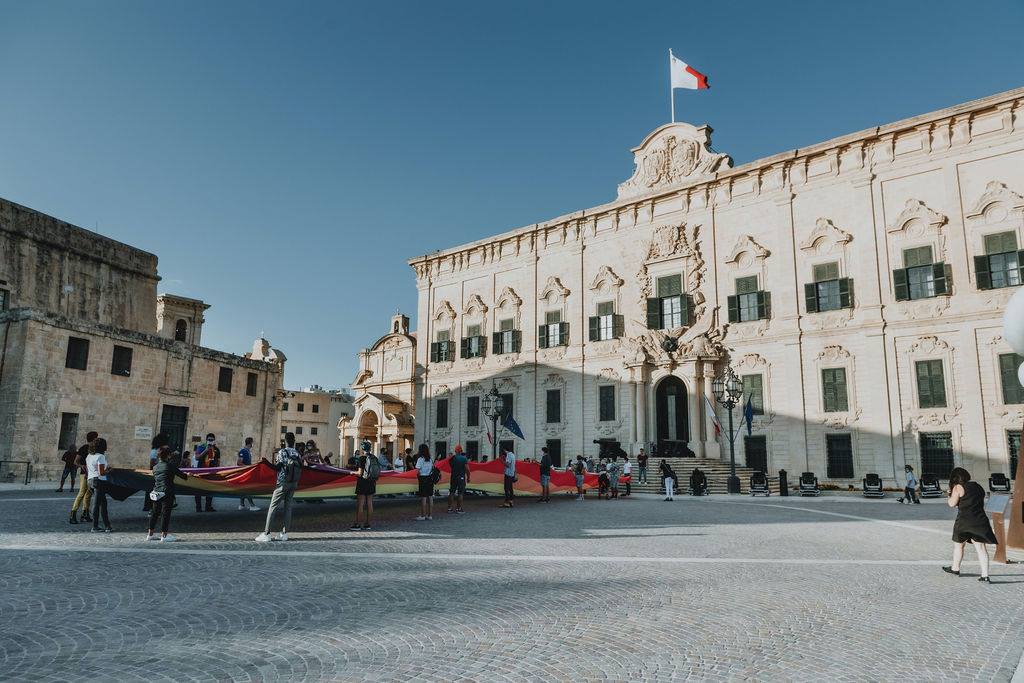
(712, 418)
(685, 76)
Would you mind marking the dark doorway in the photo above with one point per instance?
(673, 425)
(555, 451)
(172, 423)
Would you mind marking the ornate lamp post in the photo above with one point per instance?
(492, 405)
(728, 389)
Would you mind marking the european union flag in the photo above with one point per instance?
(511, 425)
(748, 415)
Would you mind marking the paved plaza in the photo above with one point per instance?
(717, 588)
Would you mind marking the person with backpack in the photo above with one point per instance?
(367, 472)
(288, 464)
(579, 469)
(545, 476)
(459, 465)
(162, 494)
(425, 480)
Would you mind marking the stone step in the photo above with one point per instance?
(716, 471)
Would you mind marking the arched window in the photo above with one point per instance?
(396, 327)
(180, 330)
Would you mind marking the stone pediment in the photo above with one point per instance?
(674, 154)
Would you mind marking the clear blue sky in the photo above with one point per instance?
(284, 160)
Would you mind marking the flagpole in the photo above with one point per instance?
(671, 92)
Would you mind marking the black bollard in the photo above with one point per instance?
(783, 484)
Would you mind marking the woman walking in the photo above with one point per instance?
(971, 521)
(162, 495)
(669, 478)
(424, 468)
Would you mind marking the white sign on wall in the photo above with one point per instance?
(144, 433)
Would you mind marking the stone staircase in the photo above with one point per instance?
(717, 472)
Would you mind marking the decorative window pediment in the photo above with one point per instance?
(509, 300)
(555, 292)
(825, 237)
(916, 217)
(996, 204)
(475, 306)
(606, 280)
(746, 248)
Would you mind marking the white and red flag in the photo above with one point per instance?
(712, 418)
(684, 75)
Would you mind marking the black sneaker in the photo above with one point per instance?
(949, 570)
(108, 530)
(984, 579)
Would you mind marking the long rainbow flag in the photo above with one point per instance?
(324, 481)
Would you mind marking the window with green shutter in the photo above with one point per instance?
(753, 386)
(920, 277)
(669, 309)
(748, 303)
(828, 292)
(833, 383)
(1013, 450)
(506, 339)
(1000, 266)
(670, 285)
(1013, 392)
(931, 384)
(605, 325)
(606, 403)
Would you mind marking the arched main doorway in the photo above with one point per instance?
(672, 421)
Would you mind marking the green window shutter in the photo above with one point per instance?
(734, 308)
(653, 313)
(901, 284)
(845, 292)
(516, 341)
(563, 330)
(483, 345)
(764, 305)
(618, 326)
(684, 307)
(434, 352)
(496, 342)
(811, 297)
(940, 276)
(1020, 264)
(982, 274)
(594, 324)
(464, 346)
(542, 337)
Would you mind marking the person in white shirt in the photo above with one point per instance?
(399, 463)
(96, 474)
(509, 458)
(627, 471)
(424, 470)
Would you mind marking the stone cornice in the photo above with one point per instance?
(858, 152)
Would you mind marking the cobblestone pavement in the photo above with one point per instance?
(638, 589)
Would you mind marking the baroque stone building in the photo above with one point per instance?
(856, 285)
(87, 344)
(385, 393)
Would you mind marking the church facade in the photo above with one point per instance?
(856, 286)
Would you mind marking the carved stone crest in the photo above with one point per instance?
(672, 155)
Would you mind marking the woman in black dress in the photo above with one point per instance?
(971, 521)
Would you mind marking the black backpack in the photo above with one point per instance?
(371, 470)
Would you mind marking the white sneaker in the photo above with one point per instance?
(168, 539)
(242, 507)
(254, 508)
(150, 537)
(430, 517)
(421, 518)
(263, 538)
(282, 536)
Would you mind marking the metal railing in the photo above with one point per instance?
(13, 470)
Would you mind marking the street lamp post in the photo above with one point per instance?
(728, 389)
(492, 405)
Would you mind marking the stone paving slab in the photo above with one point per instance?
(638, 590)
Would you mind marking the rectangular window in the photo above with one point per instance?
(753, 386)
(937, 454)
(552, 317)
(839, 456)
(224, 380)
(284, 429)
(472, 411)
(251, 379)
(4, 294)
(1000, 243)
(923, 279)
(473, 450)
(68, 431)
(668, 309)
(507, 444)
(756, 450)
(672, 312)
(1013, 448)
(747, 299)
(316, 407)
(284, 406)
(440, 448)
(78, 353)
(301, 407)
(670, 285)
(1000, 265)
(553, 407)
(826, 282)
(555, 451)
(507, 407)
(442, 413)
(1013, 392)
(553, 332)
(313, 431)
(442, 351)
(605, 321)
(507, 325)
(931, 384)
(833, 386)
(121, 361)
(606, 403)
(506, 339)
(298, 430)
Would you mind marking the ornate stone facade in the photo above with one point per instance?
(848, 282)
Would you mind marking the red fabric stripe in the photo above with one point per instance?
(702, 80)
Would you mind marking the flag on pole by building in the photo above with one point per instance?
(748, 415)
(685, 76)
(712, 418)
(490, 439)
(511, 425)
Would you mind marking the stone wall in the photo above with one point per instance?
(53, 266)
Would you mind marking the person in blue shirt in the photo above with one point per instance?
(245, 459)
